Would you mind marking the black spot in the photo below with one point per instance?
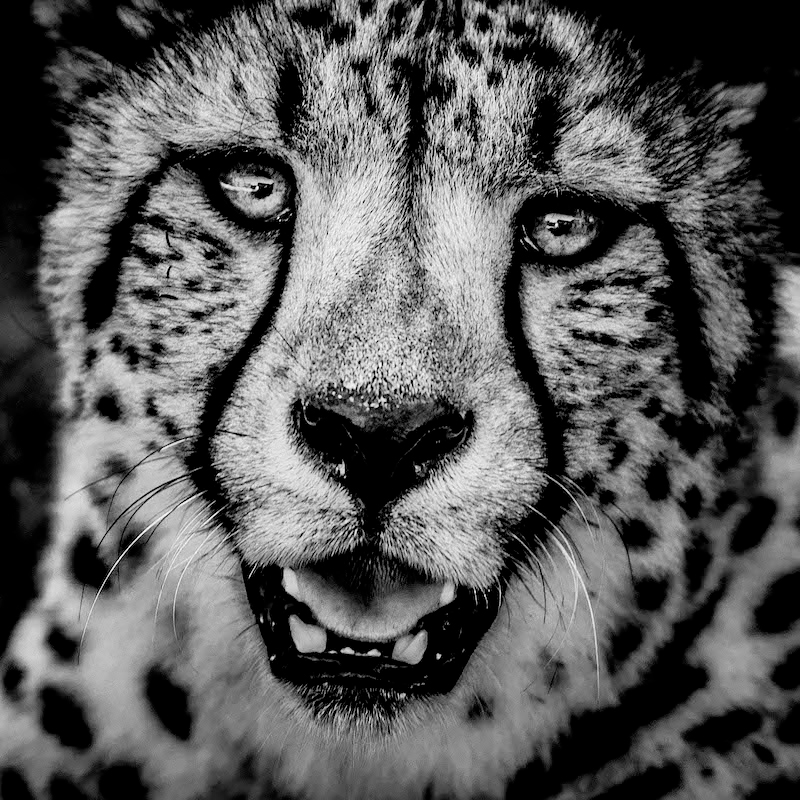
(753, 525)
(115, 465)
(624, 644)
(13, 786)
(170, 427)
(108, 407)
(789, 729)
(313, 17)
(150, 407)
(132, 356)
(63, 718)
(618, 454)
(62, 645)
(116, 343)
(64, 789)
(787, 674)
(762, 753)
(657, 481)
(169, 702)
(724, 501)
(606, 497)
(469, 53)
(636, 533)
(493, 77)
(698, 559)
(692, 434)
(366, 8)
(652, 408)
(653, 783)
(121, 782)
(651, 593)
(87, 566)
(779, 789)
(779, 609)
(13, 676)
(483, 22)
(90, 357)
(784, 413)
(692, 502)
(720, 733)
(396, 19)
(480, 709)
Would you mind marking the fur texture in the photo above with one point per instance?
(630, 477)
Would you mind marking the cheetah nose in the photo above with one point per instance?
(378, 453)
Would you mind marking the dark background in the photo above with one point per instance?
(740, 44)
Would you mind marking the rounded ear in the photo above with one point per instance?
(89, 38)
(740, 103)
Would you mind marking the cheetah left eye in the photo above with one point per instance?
(559, 234)
(257, 192)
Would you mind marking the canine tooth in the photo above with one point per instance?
(348, 651)
(410, 649)
(290, 584)
(448, 594)
(307, 638)
(373, 652)
(260, 619)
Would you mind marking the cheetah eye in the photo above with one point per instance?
(255, 192)
(558, 233)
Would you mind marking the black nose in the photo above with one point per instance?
(377, 451)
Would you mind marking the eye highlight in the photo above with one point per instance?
(554, 232)
(252, 192)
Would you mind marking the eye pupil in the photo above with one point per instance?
(558, 224)
(262, 189)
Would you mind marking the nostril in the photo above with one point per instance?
(325, 432)
(434, 442)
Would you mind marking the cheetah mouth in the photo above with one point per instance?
(312, 641)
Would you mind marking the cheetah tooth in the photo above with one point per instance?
(410, 649)
(307, 638)
(448, 594)
(290, 584)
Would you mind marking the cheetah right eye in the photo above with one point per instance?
(252, 192)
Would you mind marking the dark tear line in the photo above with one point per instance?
(685, 305)
(553, 422)
(222, 387)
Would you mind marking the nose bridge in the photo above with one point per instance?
(371, 315)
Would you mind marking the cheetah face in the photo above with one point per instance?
(420, 326)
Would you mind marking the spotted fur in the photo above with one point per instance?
(630, 480)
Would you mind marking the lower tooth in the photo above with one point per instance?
(410, 649)
(307, 638)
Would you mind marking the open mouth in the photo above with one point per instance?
(417, 643)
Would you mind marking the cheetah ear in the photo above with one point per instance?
(739, 103)
(89, 38)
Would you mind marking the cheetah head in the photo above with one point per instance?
(432, 332)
